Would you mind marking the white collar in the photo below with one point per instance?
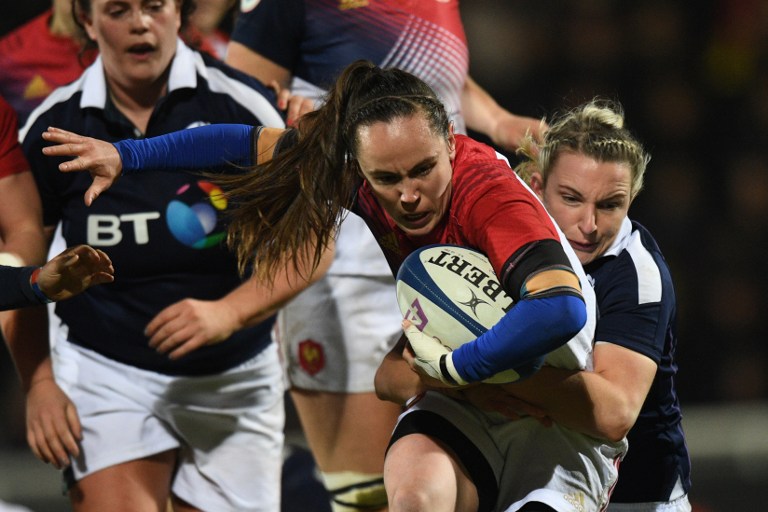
(622, 239)
(183, 75)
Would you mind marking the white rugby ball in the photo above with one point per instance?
(452, 293)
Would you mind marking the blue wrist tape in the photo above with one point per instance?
(43, 298)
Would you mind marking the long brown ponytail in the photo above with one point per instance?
(288, 209)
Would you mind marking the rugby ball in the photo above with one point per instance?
(452, 293)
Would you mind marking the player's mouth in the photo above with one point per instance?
(583, 246)
(414, 221)
(141, 51)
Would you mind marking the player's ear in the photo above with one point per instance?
(451, 141)
(537, 184)
(84, 19)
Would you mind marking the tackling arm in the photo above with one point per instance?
(395, 380)
(603, 403)
(64, 276)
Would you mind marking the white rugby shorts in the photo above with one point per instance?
(227, 427)
(335, 334)
(522, 461)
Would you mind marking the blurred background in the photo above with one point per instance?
(693, 78)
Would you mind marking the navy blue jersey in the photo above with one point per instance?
(637, 310)
(15, 290)
(316, 39)
(163, 231)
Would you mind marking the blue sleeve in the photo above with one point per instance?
(15, 291)
(215, 146)
(530, 330)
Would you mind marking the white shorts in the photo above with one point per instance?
(228, 427)
(335, 334)
(516, 462)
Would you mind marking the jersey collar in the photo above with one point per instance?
(182, 76)
(622, 239)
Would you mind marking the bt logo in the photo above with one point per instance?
(191, 218)
(104, 230)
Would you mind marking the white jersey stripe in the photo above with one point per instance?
(648, 276)
(436, 56)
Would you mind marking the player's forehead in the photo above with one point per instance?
(590, 176)
(399, 144)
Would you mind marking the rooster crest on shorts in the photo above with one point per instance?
(311, 356)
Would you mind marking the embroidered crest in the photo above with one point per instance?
(311, 356)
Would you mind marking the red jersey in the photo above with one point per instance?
(12, 159)
(35, 62)
(491, 210)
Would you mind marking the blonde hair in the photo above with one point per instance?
(595, 129)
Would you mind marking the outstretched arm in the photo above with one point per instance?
(95, 156)
(74, 271)
(207, 147)
(483, 114)
(66, 275)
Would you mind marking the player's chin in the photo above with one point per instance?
(586, 257)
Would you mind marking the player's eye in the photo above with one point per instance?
(610, 205)
(422, 171)
(386, 179)
(570, 199)
(116, 11)
(154, 6)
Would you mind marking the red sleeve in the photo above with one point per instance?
(12, 159)
(496, 213)
(512, 217)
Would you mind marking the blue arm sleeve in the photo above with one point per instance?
(214, 146)
(531, 329)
